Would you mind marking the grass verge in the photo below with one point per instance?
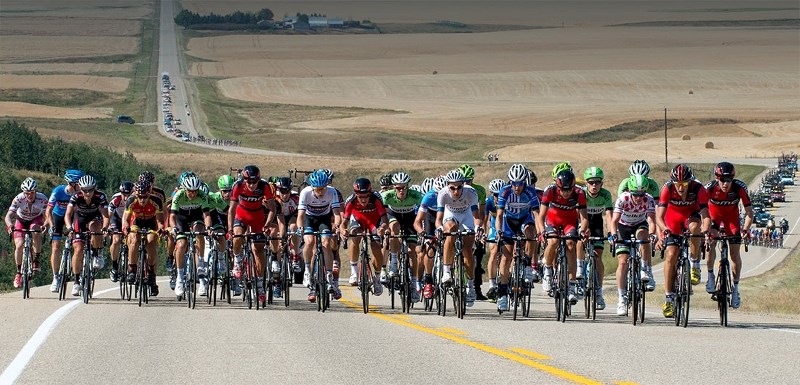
(59, 97)
(631, 130)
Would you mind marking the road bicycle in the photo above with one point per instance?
(65, 269)
(635, 287)
(319, 275)
(27, 262)
(190, 278)
(365, 271)
(402, 280)
(142, 289)
(457, 288)
(219, 275)
(88, 273)
(590, 284)
(723, 282)
(683, 278)
(559, 286)
(520, 290)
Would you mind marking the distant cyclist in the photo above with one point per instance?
(26, 213)
(54, 219)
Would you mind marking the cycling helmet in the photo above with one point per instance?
(148, 176)
(639, 167)
(386, 180)
(318, 179)
(682, 173)
(183, 176)
(565, 179)
(427, 185)
(284, 182)
(401, 178)
(191, 183)
(517, 173)
(637, 183)
(272, 179)
(362, 185)
(496, 185)
(328, 172)
(724, 169)
(593, 172)
(126, 187)
(142, 187)
(561, 167)
(454, 176)
(87, 182)
(225, 182)
(204, 188)
(251, 173)
(532, 179)
(438, 184)
(468, 171)
(29, 184)
(72, 176)
(417, 188)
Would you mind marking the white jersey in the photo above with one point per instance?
(318, 206)
(459, 209)
(28, 211)
(632, 213)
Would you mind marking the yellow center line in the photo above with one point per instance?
(453, 331)
(534, 355)
(626, 383)
(569, 376)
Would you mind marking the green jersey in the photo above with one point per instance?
(653, 188)
(481, 193)
(216, 202)
(394, 205)
(190, 208)
(599, 204)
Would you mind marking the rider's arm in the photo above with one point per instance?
(498, 221)
(337, 217)
(439, 218)
(270, 205)
(10, 218)
(612, 224)
(126, 216)
(584, 220)
(748, 218)
(651, 223)
(419, 220)
(68, 216)
(232, 214)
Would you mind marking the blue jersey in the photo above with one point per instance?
(59, 199)
(491, 212)
(518, 206)
(430, 203)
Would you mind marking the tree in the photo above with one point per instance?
(265, 14)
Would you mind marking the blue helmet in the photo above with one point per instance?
(318, 179)
(184, 175)
(72, 176)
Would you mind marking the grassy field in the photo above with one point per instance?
(449, 27)
(59, 97)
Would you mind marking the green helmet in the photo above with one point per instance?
(637, 183)
(593, 172)
(225, 182)
(561, 167)
(468, 171)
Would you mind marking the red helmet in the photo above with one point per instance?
(565, 179)
(724, 169)
(362, 185)
(682, 173)
(251, 173)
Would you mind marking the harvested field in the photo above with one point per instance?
(76, 68)
(53, 48)
(73, 26)
(26, 110)
(116, 9)
(93, 83)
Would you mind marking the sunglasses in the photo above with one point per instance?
(565, 189)
(285, 190)
(638, 194)
(252, 181)
(363, 194)
(89, 191)
(456, 188)
(517, 184)
(725, 179)
(143, 196)
(227, 191)
(594, 181)
(320, 189)
(681, 184)
(192, 191)
(400, 188)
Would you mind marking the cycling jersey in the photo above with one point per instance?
(251, 200)
(518, 206)
(91, 209)
(59, 199)
(428, 204)
(652, 187)
(631, 213)
(563, 212)
(27, 210)
(490, 211)
(597, 206)
(679, 210)
(116, 206)
(144, 214)
(289, 208)
(318, 206)
(723, 207)
(459, 209)
(366, 216)
(191, 209)
(397, 208)
(219, 209)
(480, 190)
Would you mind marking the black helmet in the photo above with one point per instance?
(251, 173)
(385, 181)
(147, 176)
(362, 185)
(565, 179)
(126, 187)
(284, 182)
(682, 173)
(724, 169)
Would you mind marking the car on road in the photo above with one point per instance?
(762, 218)
(778, 196)
(125, 119)
(787, 181)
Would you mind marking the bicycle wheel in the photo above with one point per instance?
(589, 293)
(678, 304)
(286, 278)
(405, 283)
(564, 288)
(642, 302)
(515, 286)
(633, 283)
(687, 287)
(722, 293)
(26, 261)
(364, 284)
(86, 275)
(64, 271)
(225, 278)
(247, 293)
(141, 276)
(459, 287)
(556, 292)
(191, 280)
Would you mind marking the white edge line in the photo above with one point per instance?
(15, 368)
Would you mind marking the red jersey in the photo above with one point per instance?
(368, 215)
(563, 211)
(696, 198)
(725, 205)
(251, 200)
(143, 213)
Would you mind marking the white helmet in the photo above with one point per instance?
(191, 183)
(438, 183)
(29, 184)
(454, 176)
(517, 173)
(427, 185)
(639, 167)
(496, 185)
(401, 178)
(87, 182)
(417, 187)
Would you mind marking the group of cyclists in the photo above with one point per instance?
(274, 215)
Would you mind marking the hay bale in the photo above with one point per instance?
(686, 137)
(435, 72)
(691, 92)
(710, 145)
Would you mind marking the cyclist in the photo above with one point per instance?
(143, 211)
(287, 201)
(457, 210)
(784, 226)
(87, 211)
(116, 209)
(385, 182)
(425, 225)
(517, 207)
(318, 210)
(490, 216)
(724, 195)
(640, 167)
(252, 209)
(599, 205)
(335, 240)
(682, 205)
(365, 212)
(166, 204)
(401, 205)
(634, 214)
(480, 247)
(220, 204)
(54, 219)
(28, 209)
(563, 206)
(189, 211)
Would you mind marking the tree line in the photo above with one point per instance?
(185, 18)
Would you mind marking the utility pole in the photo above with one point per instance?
(666, 153)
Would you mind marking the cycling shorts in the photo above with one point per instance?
(81, 224)
(465, 220)
(58, 228)
(569, 229)
(321, 223)
(626, 232)
(26, 225)
(677, 223)
(731, 228)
